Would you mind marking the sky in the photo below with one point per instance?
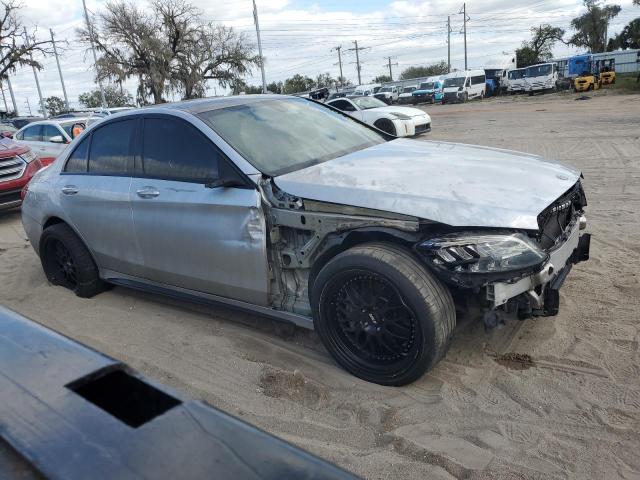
(300, 36)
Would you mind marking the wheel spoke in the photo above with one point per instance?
(371, 317)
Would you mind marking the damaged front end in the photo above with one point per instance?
(303, 233)
(515, 272)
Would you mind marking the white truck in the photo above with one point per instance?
(515, 81)
(540, 78)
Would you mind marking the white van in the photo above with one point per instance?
(541, 77)
(464, 85)
(366, 90)
(515, 80)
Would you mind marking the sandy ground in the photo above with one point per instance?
(574, 412)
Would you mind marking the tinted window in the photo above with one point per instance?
(111, 148)
(477, 79)
(173, 149)
(343, 105)
(77, 161)
(33, 134)
(49, 131)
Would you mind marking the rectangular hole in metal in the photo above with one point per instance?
(124, 396)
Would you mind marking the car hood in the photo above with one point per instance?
(450, 183)
(409, 111)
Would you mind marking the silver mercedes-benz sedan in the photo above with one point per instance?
(291, 209)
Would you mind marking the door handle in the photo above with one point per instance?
(69, 189)
(148, 192)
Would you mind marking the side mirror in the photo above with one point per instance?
(57, 139)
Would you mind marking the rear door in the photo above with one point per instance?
(94, 193)
(209, 240)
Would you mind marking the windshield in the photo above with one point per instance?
(538, 70)
(386, 89)
(408, 89)
(365, 103)
(283, 135)
(493, 72)
(515, 74)
(454, 82)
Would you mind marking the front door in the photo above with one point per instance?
(209, 240)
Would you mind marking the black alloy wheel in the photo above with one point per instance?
(61, 265)
(370, 319)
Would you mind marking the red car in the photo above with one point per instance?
(17, 165)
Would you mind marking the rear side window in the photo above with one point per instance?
(111, 151)
(477, 79)
(33, 134)
(174, 150)
(77, 162)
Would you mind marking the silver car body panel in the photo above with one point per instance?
(450, 183)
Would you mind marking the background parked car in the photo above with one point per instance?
(396, 120)
(18, 164)
(20, 122)
(429, 91)
(405, 96)
(49, 138)
(388, 95)
(7, 130)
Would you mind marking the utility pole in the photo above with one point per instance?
(255, 20)
(4, 99)
(338, 48)
(448, 43)
(464, 22)
(93, 50)
(29, 108)
(55, 52)
(358, 67)
(389, 65)
(13, 97)
(35, 75)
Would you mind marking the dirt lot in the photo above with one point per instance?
(570, 410)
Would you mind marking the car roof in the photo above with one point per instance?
(56, 121)
(199, 105)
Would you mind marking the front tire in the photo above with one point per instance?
(66, 261)
(386, 126)
(381, 314)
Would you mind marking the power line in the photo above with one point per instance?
(356, 49)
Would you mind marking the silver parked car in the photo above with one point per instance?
(288, 208)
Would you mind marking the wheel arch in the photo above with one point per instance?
(56, 220)
(337, 243)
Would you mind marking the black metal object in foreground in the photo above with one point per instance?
(74, 413)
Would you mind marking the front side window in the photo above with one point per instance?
(32, 134)
(283, 135)
(174, 150)
(343, 105)
(110, 151)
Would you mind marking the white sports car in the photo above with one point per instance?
(393, 119)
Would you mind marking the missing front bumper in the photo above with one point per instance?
(541, 287)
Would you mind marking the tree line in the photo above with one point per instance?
(590, 31)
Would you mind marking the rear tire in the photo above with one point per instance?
(386, 126)
(381, 314)
(67, 262)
